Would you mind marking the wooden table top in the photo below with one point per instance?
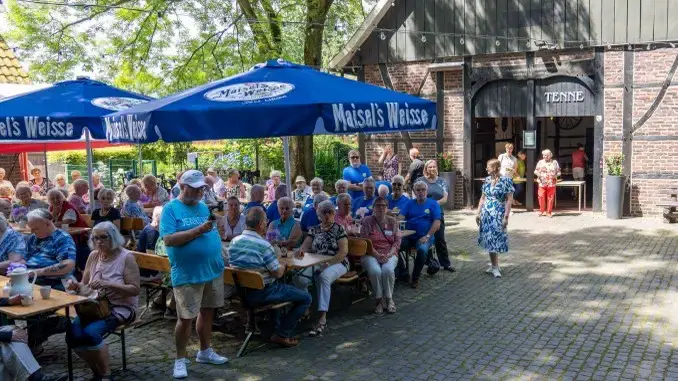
(57, 300)
(407, 233)
(308, 260)
(566, 183)
(70, 230)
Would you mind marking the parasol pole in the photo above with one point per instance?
(288, 169)
(88, 147)
(141, 165)
(44, 151)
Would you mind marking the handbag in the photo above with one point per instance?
(432, 265)
(98, 308)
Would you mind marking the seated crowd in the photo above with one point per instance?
(251, 233)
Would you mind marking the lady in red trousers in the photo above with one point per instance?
(547, 172)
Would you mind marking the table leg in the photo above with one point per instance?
(68, 345)
(585, 195)
(579, 200)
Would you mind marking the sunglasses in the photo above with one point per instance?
(355, 157)
(396, 185)
(101, 238)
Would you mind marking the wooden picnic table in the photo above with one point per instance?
(71, 230)
(57, 300)
(308, 260)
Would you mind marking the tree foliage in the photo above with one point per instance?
(158, 47)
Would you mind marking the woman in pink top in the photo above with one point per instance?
(343, 215)
(380, 265)
(111, 270)
(272, 185)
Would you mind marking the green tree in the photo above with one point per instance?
(159, 47)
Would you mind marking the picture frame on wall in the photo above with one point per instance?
(529, 139)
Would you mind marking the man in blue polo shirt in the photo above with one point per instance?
(310, 218)
(356, 174)
(257, 194)
(423, 216)
(362, 206)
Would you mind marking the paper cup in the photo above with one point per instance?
(64, 226)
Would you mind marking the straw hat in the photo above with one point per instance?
(299, 179)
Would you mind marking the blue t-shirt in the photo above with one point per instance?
(12, 242)
(420, 217)
(356, 176)
(252, 204)
(44, 252)
(361, 202)
(309, 219)
(272, 213)
(198, 261)
(399, 203)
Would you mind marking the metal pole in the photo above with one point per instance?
(141, 164)
(46, 170)
(288, 168)
(88, 146)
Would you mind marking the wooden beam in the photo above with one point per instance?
(469, 186)
(627, 125)
(598, 130)
(361, 136)
(440, 110)
(530, 125)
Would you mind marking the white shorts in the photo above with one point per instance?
(578, 173)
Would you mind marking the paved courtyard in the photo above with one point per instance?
(582, 298)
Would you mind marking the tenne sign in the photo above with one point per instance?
(564, 96)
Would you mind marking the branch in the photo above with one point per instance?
(92, 16)
(259, 33)
(274, 22)
(181, 68)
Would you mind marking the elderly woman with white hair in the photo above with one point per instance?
(327, 238)
(209, 196)
(3, 181)
(106, 211)
(285, 230)
(25, 203)
(12, 245)
(272, 185)
(317, 185)
(397, 199)
(547, 172)
(343, 215)
(77, 198)
(113, 270)
(341, 186)
(63, 212)
(132, 207)
(155, 194)
(60, 181)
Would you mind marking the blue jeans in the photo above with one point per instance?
(91, 336)
(422, 255)
(278, 292)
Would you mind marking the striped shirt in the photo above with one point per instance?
(249, 251)
(12, 242)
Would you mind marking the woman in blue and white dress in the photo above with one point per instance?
(493, 214)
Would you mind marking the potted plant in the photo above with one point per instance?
(615, 186)
(448, 173)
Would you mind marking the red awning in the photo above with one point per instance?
(51, 146)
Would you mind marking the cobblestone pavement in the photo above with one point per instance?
(581, 298)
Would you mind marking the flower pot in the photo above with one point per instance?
(615, 187)
(451, 179)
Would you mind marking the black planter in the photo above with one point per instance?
(615, 187)
(451, 179)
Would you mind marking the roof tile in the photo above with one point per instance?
(10, 68)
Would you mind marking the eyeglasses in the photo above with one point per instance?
(101, 238)
(355, 157)
(396, 185)
(380, 206)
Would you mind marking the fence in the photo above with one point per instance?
(113, 173)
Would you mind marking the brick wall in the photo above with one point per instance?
(10, 162)
(654, 161)
(408, 77)
(613, 105)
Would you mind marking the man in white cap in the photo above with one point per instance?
(218, 181)
(197, 267)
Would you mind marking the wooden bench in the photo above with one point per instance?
(243, 281)
(671, 206)
(154, 263)
(87, 218)
(119, 331)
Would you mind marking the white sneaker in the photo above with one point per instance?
(489, 269)
(180, 368)
(209, 356)
(496, 273)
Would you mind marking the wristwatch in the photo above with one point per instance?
(428, 236)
